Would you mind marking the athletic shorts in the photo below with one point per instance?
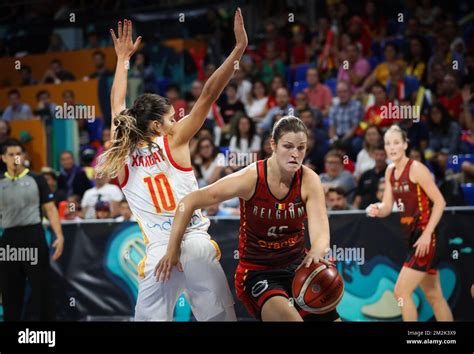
(428, 263)
(203, 283)
(255, 287)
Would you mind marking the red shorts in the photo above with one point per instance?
(429, 262)
(255, 287)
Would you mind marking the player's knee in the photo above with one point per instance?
(400, 292)
(433, 296)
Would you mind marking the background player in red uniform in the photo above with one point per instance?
(276, 195)
(410, 184)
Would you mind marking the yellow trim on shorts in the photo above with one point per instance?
(218, 250)
(145, 238)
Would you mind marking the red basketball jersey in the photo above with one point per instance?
(412, 201)
(272, 229)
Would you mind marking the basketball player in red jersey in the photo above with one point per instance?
(276, 196)
(410, 184)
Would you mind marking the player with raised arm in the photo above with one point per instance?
(150, 155)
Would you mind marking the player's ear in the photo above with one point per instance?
(273, 144)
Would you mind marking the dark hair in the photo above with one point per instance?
(26, 67)
(338, 190)
(11, 143)
(265, 88)
(214, 148)
(41, 92)
(445, 118)
(252, 130)
(233, 84)
(380, 145)
(56, 61)
(174, 87)
(98, 52)
(131, 128)
(71, 92)
(393, 45)
(14, 92)
(333, 153)
(66, 152)
(379, 84)
(288, 124)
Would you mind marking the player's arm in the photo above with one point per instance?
(384, 208)
(239, 184)
(187, 127)
(124, 48)
(421, 175)
(318, 223)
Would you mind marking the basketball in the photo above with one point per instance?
(318, 289)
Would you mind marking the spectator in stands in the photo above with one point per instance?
(381, 72)
(417, 59)
(378, 114)
(381, 190)
(436, 78)
(100, 68)
(277, 82)
(46, 109)
(274, 40)
(73, 211)
(102, 210)
(72, 179)
(257, 101)
(246, 139)
(207, 160)
(93, 40)
(319, 95)
(56, 73)
(173, 95)
(302, 104)
(365, 158)
(4, 137)
(283, 107)
(125, 212)
(266, 148)
(345, 116)
(271, 65)
(217, 209)
(374, 21)
(299, 49)
(103, 191)
(16, 110)
(230, 106)
(52, 180)
(360, 34)
(56, 43)
(26, 76)
(142, 69)
(336, 176)
(366, 192)
(416, 129)
(244, 86)
(444, 132)
(336, 199)
(315, 153)
(451, 98)
(354, 68)
(400, 86)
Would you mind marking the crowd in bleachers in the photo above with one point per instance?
(340, 75)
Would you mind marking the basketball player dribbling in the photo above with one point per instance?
(410, 184)
(150, 155)
(276, 196)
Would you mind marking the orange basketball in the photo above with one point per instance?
(318, 289)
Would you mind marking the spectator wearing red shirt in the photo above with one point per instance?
(319, 95)
(179, 105)
(379, 113)
(299, 50)
(274, 39)
(451, 98)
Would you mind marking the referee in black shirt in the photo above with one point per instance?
(23, 198)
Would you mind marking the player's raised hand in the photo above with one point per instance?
(123, 42)
(165, 266)
(239, 30)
